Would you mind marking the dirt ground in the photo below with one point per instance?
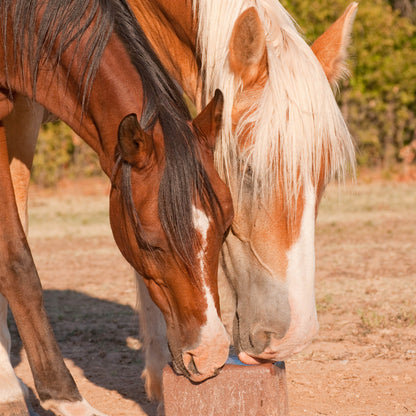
(363, 362)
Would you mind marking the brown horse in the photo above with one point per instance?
(283, 137)
(89, 63)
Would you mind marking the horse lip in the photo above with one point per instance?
(198, 378)
(248, 359)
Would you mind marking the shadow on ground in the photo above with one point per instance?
(99, 336)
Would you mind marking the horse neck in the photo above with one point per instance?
(116, 92)
(171, 29)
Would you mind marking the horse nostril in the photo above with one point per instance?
(189, 362)
(179, 365)
(260, 340)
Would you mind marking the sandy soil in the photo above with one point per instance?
(363, 362)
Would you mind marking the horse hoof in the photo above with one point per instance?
(65, 408)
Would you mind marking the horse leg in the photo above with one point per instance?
(12, 393)
(22, 129)
(20, 285)
(154, 338)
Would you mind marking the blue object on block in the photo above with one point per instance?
(233, 359)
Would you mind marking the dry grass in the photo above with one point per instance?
(363, 361)
(366, 265)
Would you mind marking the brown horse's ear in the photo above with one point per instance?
(248, 53)
(136, 145)
(208, 121)
(331, 47)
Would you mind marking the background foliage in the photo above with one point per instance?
(378, 100)
(61, 153)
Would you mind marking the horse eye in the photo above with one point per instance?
(245, 168)
(248, 171)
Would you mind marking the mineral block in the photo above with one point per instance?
(239, 390)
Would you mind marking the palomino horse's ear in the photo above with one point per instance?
(208, 121)
(135, 144)
(331, 47)
(248, 57)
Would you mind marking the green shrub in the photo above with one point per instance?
(61, 153)
(379, 100)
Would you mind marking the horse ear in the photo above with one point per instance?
(208, 122)
(331, 47)
(135, 144)
(248, 57)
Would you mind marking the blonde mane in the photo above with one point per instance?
(297, 122)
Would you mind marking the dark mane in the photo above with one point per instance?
(62, 23)
(40, 25)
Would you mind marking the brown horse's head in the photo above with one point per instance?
(288, 138)
(172, 234)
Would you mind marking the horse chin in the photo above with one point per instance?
(250, 360)
(265, 357)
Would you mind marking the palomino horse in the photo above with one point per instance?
(283, 137)
(89, 64)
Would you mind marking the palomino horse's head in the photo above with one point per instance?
(288, 139)
(176, 255)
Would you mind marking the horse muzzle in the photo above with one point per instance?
(206, 359)
(269, 346)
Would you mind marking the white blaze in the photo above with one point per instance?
(301, 283)
(213, 326)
